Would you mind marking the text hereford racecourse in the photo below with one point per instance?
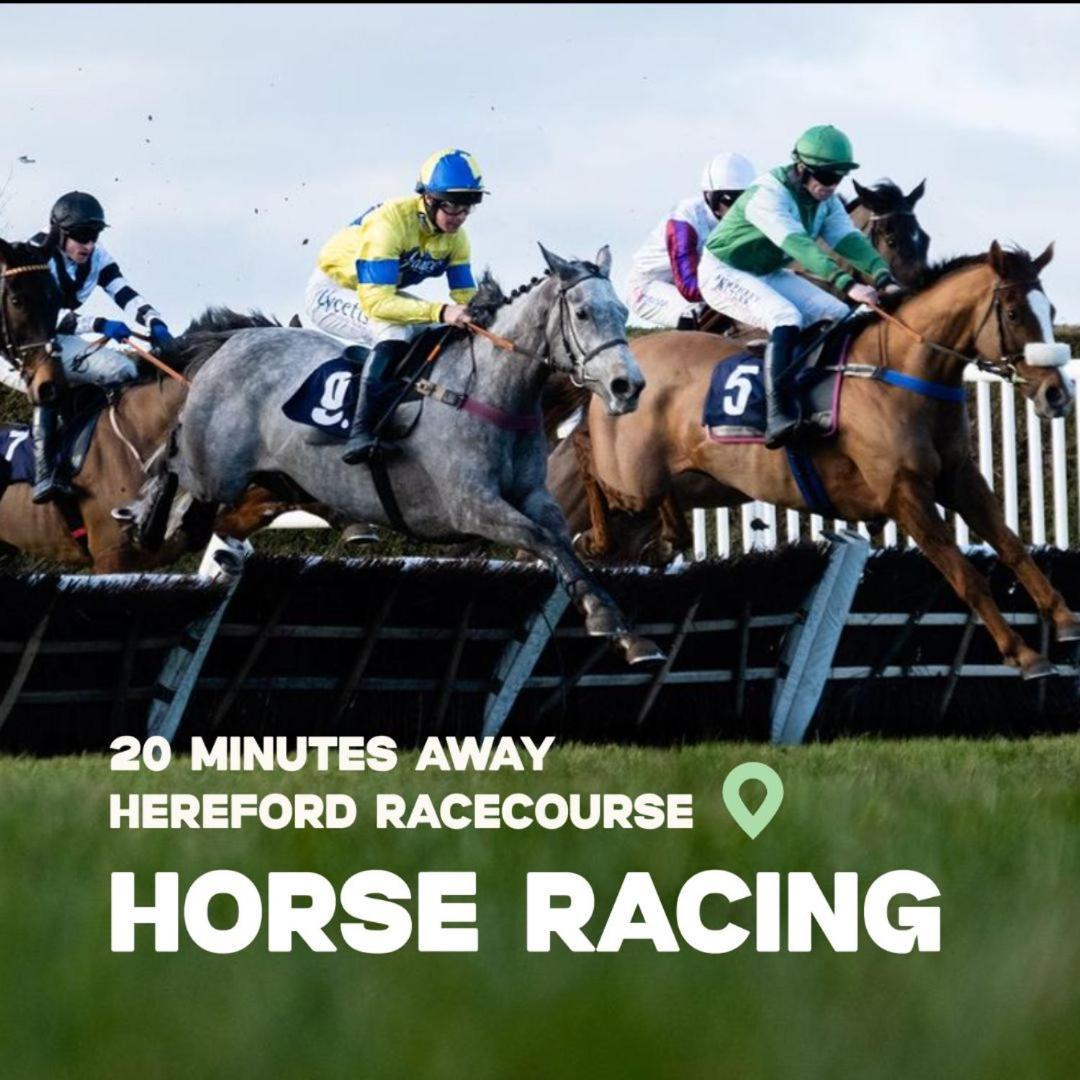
(377, 911)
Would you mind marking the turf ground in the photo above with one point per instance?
(995, 824)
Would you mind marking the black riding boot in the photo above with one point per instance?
(781, 410)
(363, 444)
(49, 484)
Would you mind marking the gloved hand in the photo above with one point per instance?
(863, 294)
(114, 329)
(160, 337)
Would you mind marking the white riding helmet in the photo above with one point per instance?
(728, 172)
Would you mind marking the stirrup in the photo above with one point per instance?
(50, 490)
(372, 450)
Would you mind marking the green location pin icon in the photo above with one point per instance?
(752, 823)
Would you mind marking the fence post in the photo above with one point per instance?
(811, 643)
(519, 658)
(182, 666)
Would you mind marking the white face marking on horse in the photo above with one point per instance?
(1041, 306)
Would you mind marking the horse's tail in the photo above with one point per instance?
(209, 331)
(560, 400)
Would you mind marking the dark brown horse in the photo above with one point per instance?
(896, 453)
(887, 216)
(128, 436)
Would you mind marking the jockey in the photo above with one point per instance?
(664, 280)
(357, 290)
(79, 264)
(778, 220)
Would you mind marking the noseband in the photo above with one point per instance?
(571, 340)
(11, 350)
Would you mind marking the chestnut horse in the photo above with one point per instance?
(897, 452)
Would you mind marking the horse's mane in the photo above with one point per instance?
(484, 306)
(209, 331)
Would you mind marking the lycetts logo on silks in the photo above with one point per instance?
(295, 909)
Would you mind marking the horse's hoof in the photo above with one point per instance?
(640, 650)
(1068, 633)
(1039, 668)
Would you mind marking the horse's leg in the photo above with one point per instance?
(912, 506)
(597, 541)
(539, 527)
(968, 493)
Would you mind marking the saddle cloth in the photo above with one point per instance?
(734, 409)
(17, 446)
(326, 399)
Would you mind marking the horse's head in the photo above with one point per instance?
(888, 219)
(1018, 330)
(586, 331)
(29, 306)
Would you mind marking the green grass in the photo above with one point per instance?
(995, 824)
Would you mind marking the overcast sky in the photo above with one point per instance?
(221, 138)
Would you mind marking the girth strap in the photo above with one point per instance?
(924, 387)
(492, 414)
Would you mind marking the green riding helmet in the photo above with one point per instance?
(824, 146)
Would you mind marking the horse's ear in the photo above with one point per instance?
(559, 267)
(603, 261)
(915, 194)
(1042, 261)
(865, 194)
(997, 259)
(5, 252)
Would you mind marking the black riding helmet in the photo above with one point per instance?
(77, 210)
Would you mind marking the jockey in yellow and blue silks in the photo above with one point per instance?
(776, 221)
(357, 290)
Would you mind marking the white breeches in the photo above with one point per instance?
(781, 298)
(335, 310)
(659, 302)
(107, 365)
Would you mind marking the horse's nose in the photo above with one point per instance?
(621, 387)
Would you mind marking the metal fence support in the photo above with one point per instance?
(811, 643)
(519, 658)
(183, 664)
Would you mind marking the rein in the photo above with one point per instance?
(1005, 368)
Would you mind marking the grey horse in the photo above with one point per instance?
(475, 465)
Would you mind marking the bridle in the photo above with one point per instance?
(1005, 366)
(7, 341)
(578, 374)
(571, 340)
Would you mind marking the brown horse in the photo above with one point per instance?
(130, 433)
(896, 453)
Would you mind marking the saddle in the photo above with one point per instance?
(734, 407)
(80, 412)
(326, 400)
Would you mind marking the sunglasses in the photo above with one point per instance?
(454, 209)
(828, 177)
(84, 236)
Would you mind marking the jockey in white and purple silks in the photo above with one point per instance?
(664, 280)
(778, 220)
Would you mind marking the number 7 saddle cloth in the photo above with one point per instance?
(734, 409)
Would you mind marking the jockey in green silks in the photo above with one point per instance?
(778, 220)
